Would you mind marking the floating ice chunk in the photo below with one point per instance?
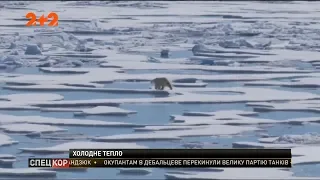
(27, 97)
(87, 75)
(9, 105)
(301, 154)
(11, 60)
(26, 173)
(7, 160)
(211, 130)
(33, 49)
(136, 137)
(235, 44)
(230, 117)
(125, 57)
(190, 84)
(305, 155)
(309, 106)
(291, 63)
(60, 109)
(57, 121)
(105, 110)
(308, 82)
(7, 156)
(84, 84)
(64, 148)
(308, 138)
(261, 145)
(64, 137)
(30, 128)
(134, 171)
(199, 48)
(166, 128)
(6, 140)
(134, 65)
(248, 32)
(221, 113)
(246, 95)
(285, 55)
(65, 70)
(86, 88)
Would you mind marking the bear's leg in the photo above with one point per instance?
(162, 87)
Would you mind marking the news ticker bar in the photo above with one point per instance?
(158, 163)
(180, 153)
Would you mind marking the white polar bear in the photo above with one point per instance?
(161, 83)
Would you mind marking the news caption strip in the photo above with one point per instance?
(158, 163)
(184, 158)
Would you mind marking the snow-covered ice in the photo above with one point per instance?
(237, 69)
(308, 106)
(232, 117)
(9, 119)
(211, 130)
(244, 95)
(105, 110)
(26, 173)
(6, 140)
(31, 97)
(134, 171)
(30, 128)
(7, 160)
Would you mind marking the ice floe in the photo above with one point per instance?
(88, 77)
(211, 130)
(307, 82)
(6, 140)
(308, 138)
(189, 84)
(26, 173)
(78, 88)
(104, 110)
(9, 119)
(230, 117)
(230, 42)
(9, 105)
(304, 148)
(27, 97)
(30, 128)
(245, 95)
(7, 160)
(305, 155)
(309, 106)
(134, 171)
(168, 128)
(127, 65)
(246, 144)
(33, 49)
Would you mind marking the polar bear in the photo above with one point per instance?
(160, 83)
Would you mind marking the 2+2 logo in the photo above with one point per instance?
(42, 20)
